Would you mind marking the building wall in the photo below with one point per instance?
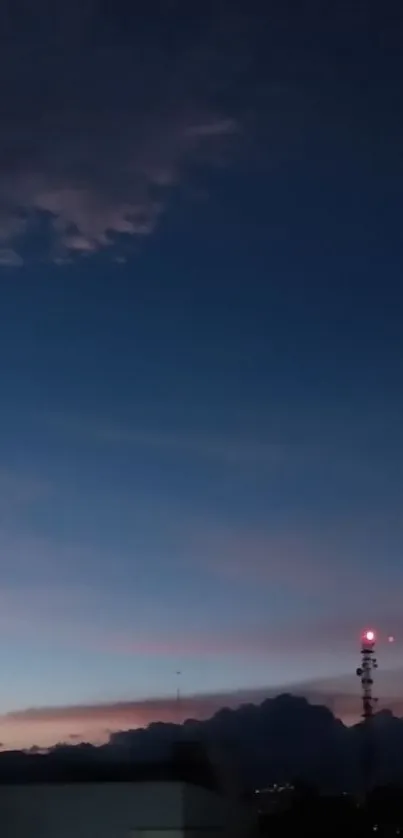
(217, 813)
(89, 810)
(204, 809)
(117, 810)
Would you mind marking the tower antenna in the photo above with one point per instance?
(365, 672)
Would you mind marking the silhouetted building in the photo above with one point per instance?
(183, 798)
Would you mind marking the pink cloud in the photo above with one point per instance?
(45, 726)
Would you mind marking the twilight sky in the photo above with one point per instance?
(201, 352)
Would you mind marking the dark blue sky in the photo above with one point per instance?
(201, 355)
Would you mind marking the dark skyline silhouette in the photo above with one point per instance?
(283, 740)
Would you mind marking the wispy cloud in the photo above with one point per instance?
(10, 258)
(19, 492)
(231, 449)
(296, 559)
(235, 450)
(60, 617)
(324, 455)
(22, 488)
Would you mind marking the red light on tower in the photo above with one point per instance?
(369, 636)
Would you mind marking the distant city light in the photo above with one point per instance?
(391, 639)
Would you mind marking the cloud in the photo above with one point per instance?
(103, 125)
(9, 258)
(22, 488)
(57, 617)
(18, 493)
(214, 129)
(121, 99)
(45, 726)
(272, 588)
(231, 449)
(321, 454)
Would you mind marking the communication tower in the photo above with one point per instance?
(365, 673)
